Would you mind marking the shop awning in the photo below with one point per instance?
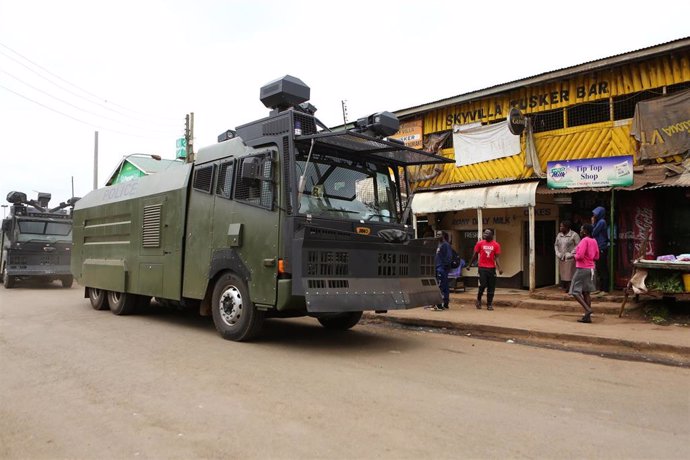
(518, 195)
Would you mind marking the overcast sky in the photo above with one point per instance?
(133, 69)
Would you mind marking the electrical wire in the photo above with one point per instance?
(77, 107)
(168, 121)
(75, 118)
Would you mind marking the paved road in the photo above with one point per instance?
(79, 383)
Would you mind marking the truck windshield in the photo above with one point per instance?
(346, 188)
(37, 227)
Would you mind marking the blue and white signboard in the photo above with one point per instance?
(590, 172)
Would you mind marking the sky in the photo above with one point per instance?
(132, 69)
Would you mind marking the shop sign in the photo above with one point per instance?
(410, 133)
(516, 121)
(590, 172)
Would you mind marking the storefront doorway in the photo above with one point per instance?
(544, 253)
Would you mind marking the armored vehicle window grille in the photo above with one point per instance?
(225, 176)
(427, 266)
(151, 228)
(274, 127)
(203, 179)
(392, 264)
(286, 174)
(328, 263)
(258, 192)
(307, 123)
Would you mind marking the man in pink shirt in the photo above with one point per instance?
(586, 254)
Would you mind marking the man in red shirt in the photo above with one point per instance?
(488, 252)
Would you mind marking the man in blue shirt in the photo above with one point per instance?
(444, 255)
(601, 234)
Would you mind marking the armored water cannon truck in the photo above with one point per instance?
(36, 240)
(281, 218)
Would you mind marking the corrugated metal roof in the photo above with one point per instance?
(518, 195)
(548, 76)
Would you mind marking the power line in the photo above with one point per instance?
(100, 103)
(75, 118)
(75, 106)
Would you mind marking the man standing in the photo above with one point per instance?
(586, 254)
(444, 255)
(488, 252)
(600, 233)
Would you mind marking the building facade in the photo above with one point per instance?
(588, 120)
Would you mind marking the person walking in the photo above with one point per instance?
(586, 253)
(444, 256)
(600, 233)
(566, 242)
(487, 251)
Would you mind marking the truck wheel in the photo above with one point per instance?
(97, 298)
(67, 281)
(122, 303)
(235, 316)
(7, 280)
(341, 321)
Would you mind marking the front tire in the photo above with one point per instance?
(7, 280)
(122, 303)
(234, 315)
(341, 321)
(98, 300)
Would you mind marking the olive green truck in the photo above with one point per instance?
(281, 218)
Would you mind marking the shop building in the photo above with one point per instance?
(613, 132)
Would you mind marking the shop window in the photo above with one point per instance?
(678, 87)
(624, 106)
(547, 121)
(448, 143)
(588, 113)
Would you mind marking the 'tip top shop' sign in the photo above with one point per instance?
(590, 172)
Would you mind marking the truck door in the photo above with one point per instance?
(246, 222)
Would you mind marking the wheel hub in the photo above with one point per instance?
(231, 306)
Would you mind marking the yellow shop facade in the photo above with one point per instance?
(589, 119)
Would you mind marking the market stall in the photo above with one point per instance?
(659, 278)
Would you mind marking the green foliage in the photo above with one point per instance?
(665, 281)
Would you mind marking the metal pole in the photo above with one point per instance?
(95, 161)
(612, 241)
(191, 137)
(532, 258)
(480, 224)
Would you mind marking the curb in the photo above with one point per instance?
(682, 353)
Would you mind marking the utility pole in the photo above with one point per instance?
(344, 104)
(95, 161)
(189, 136)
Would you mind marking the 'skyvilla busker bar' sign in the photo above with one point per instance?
(590, 172)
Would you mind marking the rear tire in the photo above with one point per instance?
(341, 321)
(122, 303)
(7, 280)
(98, 299)
(234, 315)
(67, 281)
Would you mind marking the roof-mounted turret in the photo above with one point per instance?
(283, 93)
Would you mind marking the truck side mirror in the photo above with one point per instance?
(6, 225)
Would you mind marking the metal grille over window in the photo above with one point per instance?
(256, 190)
(224, 187)
(203, 179)
(151, 228)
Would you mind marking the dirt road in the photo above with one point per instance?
(79, 383)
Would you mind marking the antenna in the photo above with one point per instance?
(344, 104)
